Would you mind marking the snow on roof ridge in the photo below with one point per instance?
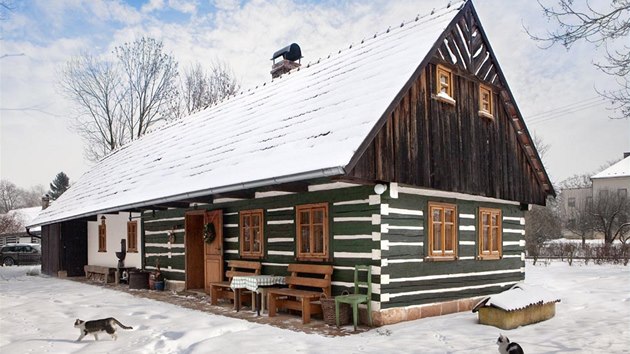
(618, 169)
(177, 120)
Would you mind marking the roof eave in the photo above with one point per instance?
(303, 176)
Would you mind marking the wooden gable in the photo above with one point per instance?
(427, 142)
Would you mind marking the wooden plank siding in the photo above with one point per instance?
(429, 143)
(408, 278)
(351, 233)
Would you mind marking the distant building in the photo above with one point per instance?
(24, 216)
(614, 179)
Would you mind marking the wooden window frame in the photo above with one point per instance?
(486, 113)
(443, 254)
(449, 85)
(102, 236)
(486, 253)
(310, 256)
(132, 236)
(243, 229)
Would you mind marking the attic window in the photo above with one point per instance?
(485, 102)
(444, 86)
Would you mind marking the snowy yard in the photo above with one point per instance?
(37, 316)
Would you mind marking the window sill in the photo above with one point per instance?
(440, 258)
(132, 251)
(251, 256)
(312, 259)
(444, 98)
(489, 257)
(484, 114)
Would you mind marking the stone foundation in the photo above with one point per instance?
(410, 313)
(174, 285)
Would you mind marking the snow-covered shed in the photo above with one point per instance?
(519, 306)
(404, 151)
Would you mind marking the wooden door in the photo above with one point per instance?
(213, 251)
(194, 250)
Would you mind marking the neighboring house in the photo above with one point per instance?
(574, 200)
(24, 216)
(404, 151)
(612, 180)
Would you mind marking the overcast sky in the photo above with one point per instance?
(554, 88)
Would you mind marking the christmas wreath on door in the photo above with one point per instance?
(209, 232)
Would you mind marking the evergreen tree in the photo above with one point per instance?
(59, 185)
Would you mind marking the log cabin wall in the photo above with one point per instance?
(430, 143)
(408, 275)
(353, 223)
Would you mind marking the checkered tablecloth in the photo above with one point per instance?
(252, 282)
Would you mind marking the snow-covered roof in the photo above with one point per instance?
(620, 169)
(518, 297)
(307, 124)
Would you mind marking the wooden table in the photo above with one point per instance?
(256, 284)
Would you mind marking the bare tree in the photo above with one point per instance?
(610, 214)
(33, 196)
(541, 224)
(10, 196)
(150, 84)
(607, 26)
(93, 84)
(200, 89)
(9, 223)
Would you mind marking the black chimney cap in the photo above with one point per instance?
(291, 52)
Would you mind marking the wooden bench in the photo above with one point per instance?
(222, 290)
(99, 273)
(306, 284)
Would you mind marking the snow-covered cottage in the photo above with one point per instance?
(404, 151)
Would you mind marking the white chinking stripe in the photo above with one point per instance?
(168, 254)
(279, 209)
(164, 245)
(467, 243)
(280, 239)
(402, 261)
(456, 275)
(231, 239)
(174, 270)
(352, 237)
(279, 222)
(512, 218)
(450, 290)
(396, 227)
(467, 228)
(275, 264)
(352, 202)
(376, 270)
(514, 243)
(466, 216)
(375, 254)
(514, 231)
(230, 214)
(281, 253)
(329, 186)
(352, 218)
(230, 225)
(231, 251)
(162, 232)
(468, 258)
(169, 219)
(374, 199)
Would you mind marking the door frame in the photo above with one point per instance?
(215, 250)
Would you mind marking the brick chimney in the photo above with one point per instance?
(45, 201)
(291, 56)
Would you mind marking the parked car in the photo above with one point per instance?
(21, 254)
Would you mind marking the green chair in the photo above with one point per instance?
(357, 298)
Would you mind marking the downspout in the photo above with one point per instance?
(28, 232)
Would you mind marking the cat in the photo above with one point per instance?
(96, 326)
(507, 347)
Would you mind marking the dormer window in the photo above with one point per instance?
(485, 102)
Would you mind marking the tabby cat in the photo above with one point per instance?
(96, 326)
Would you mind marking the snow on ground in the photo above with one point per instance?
(37, 314)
